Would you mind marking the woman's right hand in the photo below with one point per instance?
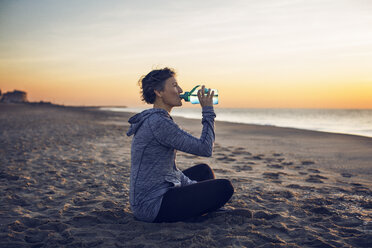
(205, 99)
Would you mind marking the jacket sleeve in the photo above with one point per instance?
(167, 133)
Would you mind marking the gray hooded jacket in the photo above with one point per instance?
(153, 169)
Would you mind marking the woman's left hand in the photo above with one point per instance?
(205, 99)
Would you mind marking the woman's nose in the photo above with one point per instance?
(180, 89)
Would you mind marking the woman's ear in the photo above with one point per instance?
(158, 93)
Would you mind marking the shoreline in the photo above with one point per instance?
(64, 181)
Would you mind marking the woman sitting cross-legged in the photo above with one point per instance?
(159, 191)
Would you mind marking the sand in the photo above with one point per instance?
(64, 180)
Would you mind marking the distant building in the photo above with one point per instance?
(15, 96)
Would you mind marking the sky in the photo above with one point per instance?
(258, 54)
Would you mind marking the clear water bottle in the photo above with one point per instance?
(192, 96)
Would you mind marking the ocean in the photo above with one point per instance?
(346, 121)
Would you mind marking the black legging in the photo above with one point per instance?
(208, 194)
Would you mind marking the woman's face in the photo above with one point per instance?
(171, 93)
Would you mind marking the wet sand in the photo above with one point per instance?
(64, 180)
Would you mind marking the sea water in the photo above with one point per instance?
(347, 121)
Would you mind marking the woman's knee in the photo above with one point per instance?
(226, 187)
(203, 167)
(207, 170)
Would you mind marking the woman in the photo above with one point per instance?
(159, 191)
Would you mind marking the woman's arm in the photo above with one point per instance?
(167, 133)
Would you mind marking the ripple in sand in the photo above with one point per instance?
(54, 226)
(265, 215)
(33, 222)
(35, 236)
(85, 221)
(111, 216)
(364, 240)
(8, 176)
(321, 210)
(242, 212)
(316, 242)
(17, 226)
(367, 204)
(285, 193)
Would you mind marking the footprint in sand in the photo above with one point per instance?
(225, 149)
(296, 186)
(239, 168)
(317, 210)
(226, 159)
(274, 159)
(241, 152)
(222, 171)
(313, 170)
(273, 176)
(356, 184)
(240, 149)
(258, 157)
(345, 174)
(287, 163)
(220, 154)
(275, 166)
(307, 162)
(315, 179)
(360, 188)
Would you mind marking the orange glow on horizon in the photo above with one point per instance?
(120, 92)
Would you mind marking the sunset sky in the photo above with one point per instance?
(258, 54)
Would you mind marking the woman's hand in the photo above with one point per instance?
(205, 99)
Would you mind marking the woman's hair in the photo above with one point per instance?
(155, 80)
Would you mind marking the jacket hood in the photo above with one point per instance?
(137, 120)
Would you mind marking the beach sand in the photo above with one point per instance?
(64, 180)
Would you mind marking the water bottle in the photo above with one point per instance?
(192, 96)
